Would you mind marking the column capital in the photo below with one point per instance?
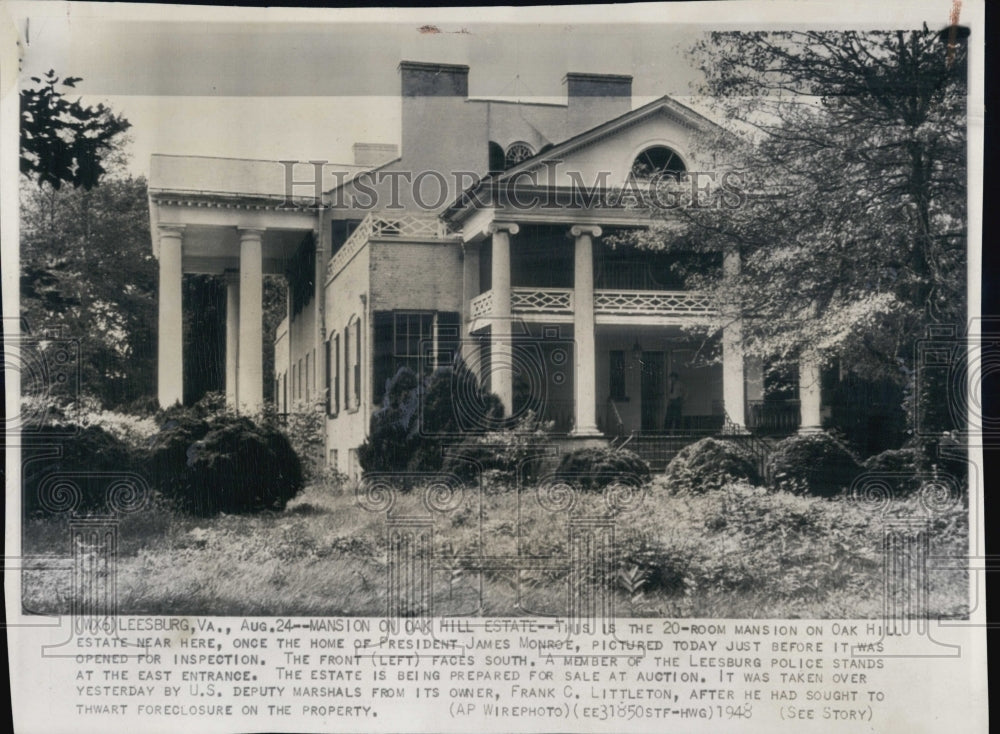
(581, 229)
(170, 230)
(250, 233)
(511, 227)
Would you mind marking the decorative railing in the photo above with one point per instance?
(378, 226)
(751, 443)
(550, 300)
(481, 305)
(350, 248)
(773, 416)
(653, 303)
(628, 303)
(657, 449)
(409, 226)
(614, 425)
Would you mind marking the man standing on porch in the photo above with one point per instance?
(675, 403)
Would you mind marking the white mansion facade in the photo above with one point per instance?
(479, 236)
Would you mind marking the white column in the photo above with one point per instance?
(170, 336)
(810, 417)
(733, 399)
(585, 361)
(250, 367)
(232, 335)
(501, 348)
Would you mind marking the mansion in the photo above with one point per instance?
(478, 236)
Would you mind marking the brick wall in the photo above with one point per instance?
(419, 276)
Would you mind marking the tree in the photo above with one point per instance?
(87, 269)
(64, 141)
(850, 222)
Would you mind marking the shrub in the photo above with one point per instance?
(147, 405)
(84, 451)
(816, 463)
(225, 464)
(303, 426)
(744, 539)
(897, 461)
(947, 453)
(595, 468)
(418, 416)
(211, 404)
(133, 430)
(708, 464)
(501, 452)
(905, 460)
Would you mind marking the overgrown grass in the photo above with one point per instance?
(737, 552)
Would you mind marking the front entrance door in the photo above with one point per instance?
(653, 390)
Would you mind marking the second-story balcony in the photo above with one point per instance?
(610, 305)
(381, 226)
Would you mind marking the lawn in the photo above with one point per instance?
(739, 552)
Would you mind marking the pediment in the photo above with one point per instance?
(605, 154)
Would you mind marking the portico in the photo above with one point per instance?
(239, 236)
(562, 300)
(651, 330)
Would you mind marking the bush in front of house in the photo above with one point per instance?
(501, 454)
(61, 464)
(709, 464)
(597, 467)
(814, 463)
(224, 463)
(913, 466)
(304, 425)
(393, 436)
(418, 416)
(897, 461)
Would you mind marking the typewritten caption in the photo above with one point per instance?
(339, 669)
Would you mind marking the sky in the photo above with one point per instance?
(303, 84)
(306, 91)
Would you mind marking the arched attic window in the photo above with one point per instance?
(517, 152)
(655, 161)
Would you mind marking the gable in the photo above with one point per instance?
(606, 152)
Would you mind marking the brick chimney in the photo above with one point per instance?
(421, 79)
(595, 98)
(441, 132)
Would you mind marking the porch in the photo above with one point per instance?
(647, 379)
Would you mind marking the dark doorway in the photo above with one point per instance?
(653, 387)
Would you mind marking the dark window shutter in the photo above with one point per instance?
(449, 334)
(382, 350)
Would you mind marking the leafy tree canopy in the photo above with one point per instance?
(851, 214)
(87, 271)
(63, 141)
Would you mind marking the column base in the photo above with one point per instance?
(809, 429)
(586, 432)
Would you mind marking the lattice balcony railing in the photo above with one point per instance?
(533, 300)
(626, 303)
(376, 226)
(409, 226)
(482, 305)
(653, 303)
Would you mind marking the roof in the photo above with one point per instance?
(662, 105)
